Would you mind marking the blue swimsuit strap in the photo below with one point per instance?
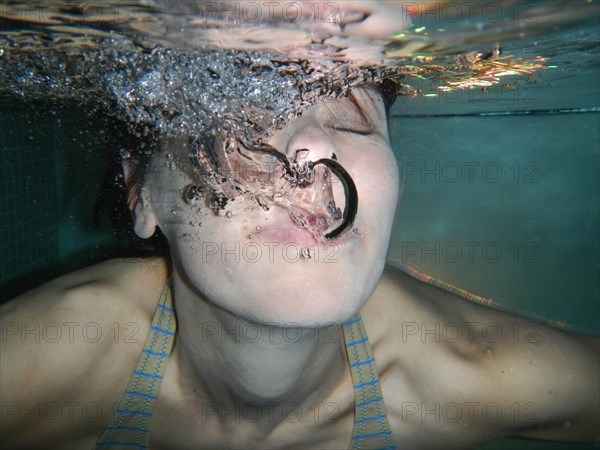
(371, 426)
(129, 427)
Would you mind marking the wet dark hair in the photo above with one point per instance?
(389, 90)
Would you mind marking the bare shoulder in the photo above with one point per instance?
(450, 360)
(125, 277)
(71, 344)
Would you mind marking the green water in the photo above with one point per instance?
(52, 166)
(506, 207)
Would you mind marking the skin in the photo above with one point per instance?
(546, 376)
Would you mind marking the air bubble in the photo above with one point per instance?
(230, 147)
(239, 99)
(191, 194)
(334, 211)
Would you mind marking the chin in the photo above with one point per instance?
(310, 296)
(280, 288)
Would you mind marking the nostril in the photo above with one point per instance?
(301, 154)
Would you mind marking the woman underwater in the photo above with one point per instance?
(277, 325)
(253, 364)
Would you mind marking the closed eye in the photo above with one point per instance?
(351, 130)
(349, 115)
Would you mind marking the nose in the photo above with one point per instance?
(310, 143)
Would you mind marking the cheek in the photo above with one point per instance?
(377, 179)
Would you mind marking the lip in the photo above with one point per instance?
(287, 234)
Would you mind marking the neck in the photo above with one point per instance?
(233, 361)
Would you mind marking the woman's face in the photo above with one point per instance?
(253, 262)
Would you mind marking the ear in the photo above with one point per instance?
(144, 220)
(138, 201)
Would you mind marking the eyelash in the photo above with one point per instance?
(352, 130)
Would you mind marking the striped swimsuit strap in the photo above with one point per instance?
(371, 426)
(129, 427)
